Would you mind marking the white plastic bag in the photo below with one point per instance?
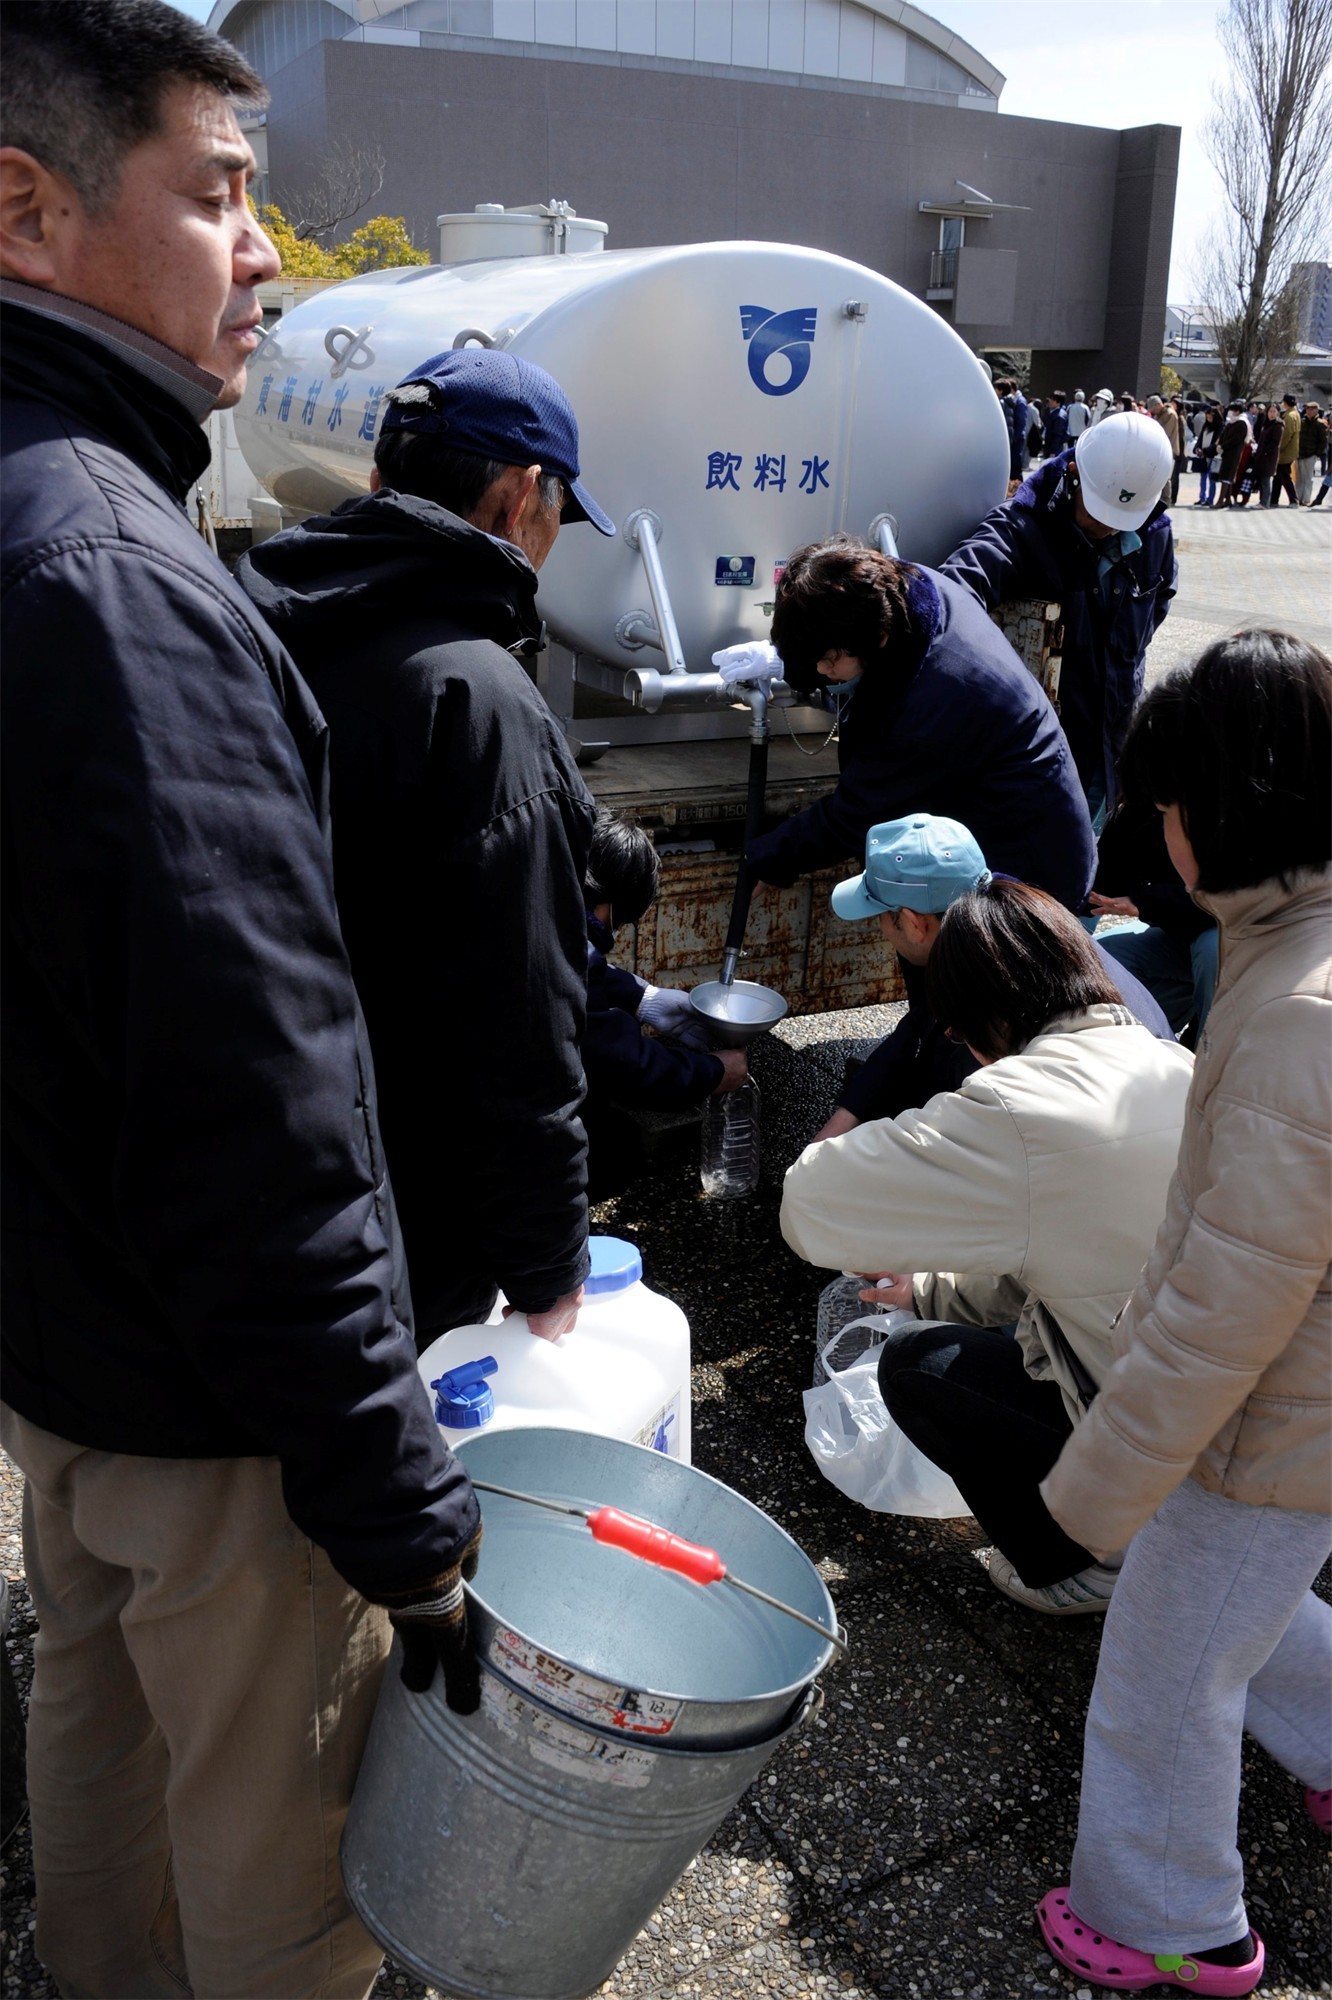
(858, 1447)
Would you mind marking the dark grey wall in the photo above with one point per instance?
(667, 157)
(1140, 253)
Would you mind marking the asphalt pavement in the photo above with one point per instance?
(896, 1848)
(1242, 567)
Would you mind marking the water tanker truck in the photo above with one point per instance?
(735, 400)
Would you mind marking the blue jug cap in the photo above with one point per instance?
(615, 1265)
(464, 1399)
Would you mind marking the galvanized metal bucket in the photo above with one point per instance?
(513, 1854)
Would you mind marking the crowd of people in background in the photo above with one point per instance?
(1254, 449)
(1261, 450)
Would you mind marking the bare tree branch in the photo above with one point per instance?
(1267, 139)
(346, 179)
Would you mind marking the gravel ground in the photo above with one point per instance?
(895, 1848)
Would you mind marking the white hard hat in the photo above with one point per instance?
(1122, 465)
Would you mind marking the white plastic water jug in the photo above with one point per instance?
(622, 1372)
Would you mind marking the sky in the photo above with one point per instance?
(1138, 62)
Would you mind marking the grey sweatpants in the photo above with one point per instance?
(1212, 1630)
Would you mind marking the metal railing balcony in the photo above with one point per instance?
(943, 270)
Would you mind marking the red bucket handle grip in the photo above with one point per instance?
(656, 1545)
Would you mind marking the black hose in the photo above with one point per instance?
(755, 798)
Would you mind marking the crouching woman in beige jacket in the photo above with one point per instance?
(1031, 1194)
(1207, 1448)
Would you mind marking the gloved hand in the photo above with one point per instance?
(666, 1008)
(694, 1033)
(432, 1624)
(761, 854)
(753, 660)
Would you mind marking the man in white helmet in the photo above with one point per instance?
(1088, 529)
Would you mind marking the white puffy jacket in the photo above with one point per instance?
(1033, 1192)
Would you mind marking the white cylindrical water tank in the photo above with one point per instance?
(751, 396)
(545, 229)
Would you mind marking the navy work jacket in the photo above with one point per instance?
(950, 722)
(1031, 546)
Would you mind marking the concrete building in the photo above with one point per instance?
(845, 124)
(1316, 307)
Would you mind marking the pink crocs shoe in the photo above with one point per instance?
(1318, 1805)
(1087, 1955)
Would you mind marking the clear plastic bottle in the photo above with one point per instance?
(729, 1164)
(840, 1304)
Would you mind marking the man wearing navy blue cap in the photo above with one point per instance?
(461, 825)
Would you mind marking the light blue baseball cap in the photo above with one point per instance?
(922, 863)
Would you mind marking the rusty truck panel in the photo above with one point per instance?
(793, 941)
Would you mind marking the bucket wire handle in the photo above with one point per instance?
(653, 1544)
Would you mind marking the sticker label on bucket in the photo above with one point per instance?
(555, 1681)
(662, 1433)
(563, 1747)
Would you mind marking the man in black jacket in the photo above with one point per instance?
(209, 1380)
(628, 1071)
(461, 825)
(915, 868)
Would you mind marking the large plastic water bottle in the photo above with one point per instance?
(729, 1164)
(839, 1339)
(622, 1371)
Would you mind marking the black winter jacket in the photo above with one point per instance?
(952, 723)
(460, 837)
(1132, 860)
(1313, 437)
(623, 1064)
(1265, 450)
(198, 1240)
(1031, 546)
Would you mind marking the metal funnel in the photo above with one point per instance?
(738, 1012)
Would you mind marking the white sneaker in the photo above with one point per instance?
(1089, 1591)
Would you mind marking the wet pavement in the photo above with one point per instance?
(895, 1849)
(898, 1847)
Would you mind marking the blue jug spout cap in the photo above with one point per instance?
(614, 1265)
(464, 1399)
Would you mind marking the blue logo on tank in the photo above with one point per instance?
(770, 333)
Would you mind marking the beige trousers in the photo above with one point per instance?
(203, 1687)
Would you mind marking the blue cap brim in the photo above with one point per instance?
(580, 506)
(851, 902)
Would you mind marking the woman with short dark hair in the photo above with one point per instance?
(1006, 962)
(936, 714)
(1029, 1194)
(1207, 1449)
